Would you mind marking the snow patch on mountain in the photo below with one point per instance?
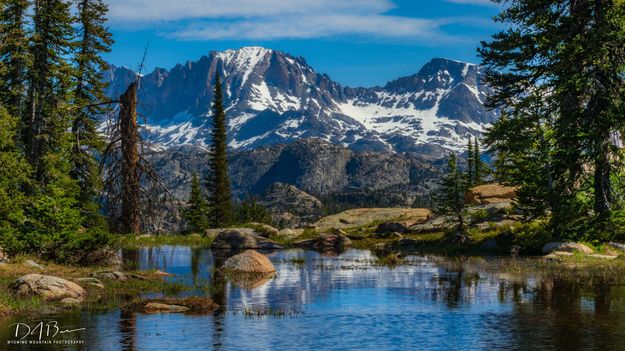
(272, 97)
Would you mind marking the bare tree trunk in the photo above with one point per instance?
(130, 221)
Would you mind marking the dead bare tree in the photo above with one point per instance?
(130, 221)
(133, 193)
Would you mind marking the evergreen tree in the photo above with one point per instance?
(478, 171)
(450, 196)
(251, 211)
(94, 40)
(48, 101)
(470, 162)
(218, 180)
(196, 212)
(557, 73)
(14, 177)
(14, 56)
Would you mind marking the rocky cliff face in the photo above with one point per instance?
(274, 98)
(329, 172)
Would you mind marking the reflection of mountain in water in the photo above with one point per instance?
(347, 303)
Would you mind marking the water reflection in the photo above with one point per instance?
(346, 302)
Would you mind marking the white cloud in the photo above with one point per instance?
(275, 19)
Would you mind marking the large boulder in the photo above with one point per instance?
(249, 261)
(49, 287)
(359, 217)
(567, 247)
(242, 239)
(490, 194)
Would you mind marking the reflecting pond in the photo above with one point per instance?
(347, 302)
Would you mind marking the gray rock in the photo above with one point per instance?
(328, 242)
(156, 307)
(391, 227)
(566, 246)
(116, 275)
(264, 230)
(238, 239)
(48, 287)
(90, 281)
(70, 301)
(603, 257)
(33, 264)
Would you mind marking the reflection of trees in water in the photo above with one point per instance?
(570, 315)
(128, 327)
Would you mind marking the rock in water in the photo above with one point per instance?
(566, 247)
(49, 287)
(153, 307)
(237, 239)
(329, 242)
(249, 261)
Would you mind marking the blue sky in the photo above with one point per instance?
(356, 42)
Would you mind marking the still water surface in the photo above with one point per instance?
(346, 302)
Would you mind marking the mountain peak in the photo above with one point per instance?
(272, 97)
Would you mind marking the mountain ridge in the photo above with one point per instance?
(272, 97)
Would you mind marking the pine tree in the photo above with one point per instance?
(94, 40)
(450, 196)
(557, 73)
(251, 211)
(477, 172)
(196, 212)
(47, 119)
(218, 180)
(14, 177)
(470, 162)
(14, 56)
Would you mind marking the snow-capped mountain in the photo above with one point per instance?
(272, 98)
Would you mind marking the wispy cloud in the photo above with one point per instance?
(276, 19)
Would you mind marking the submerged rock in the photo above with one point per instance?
(243, 239)
(49, 287)
(567, 247)
(249, 261)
